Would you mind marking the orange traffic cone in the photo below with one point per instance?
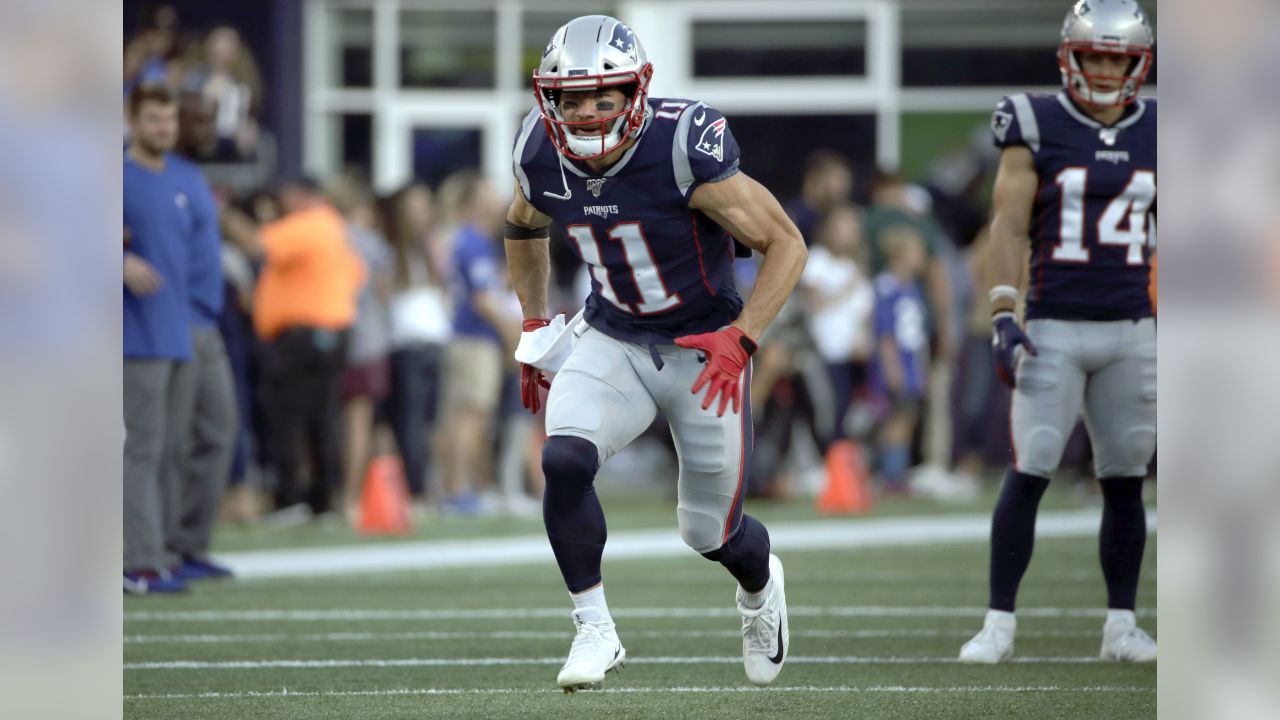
(848, 489)
(384, 499)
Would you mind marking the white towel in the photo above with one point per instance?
(548, 347)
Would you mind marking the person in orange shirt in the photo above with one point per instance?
(303, 305)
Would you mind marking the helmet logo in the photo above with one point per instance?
(623, 39)
(712, 140)
(596, 186)
(1000, 123)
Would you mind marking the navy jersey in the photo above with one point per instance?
(658, 269)
(1093, 223)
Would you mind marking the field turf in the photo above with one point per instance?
(874, 635)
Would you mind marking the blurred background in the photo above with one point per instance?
(866, 119)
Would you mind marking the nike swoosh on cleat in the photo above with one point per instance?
(777, 659)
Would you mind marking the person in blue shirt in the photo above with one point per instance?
(157, 338)
(171, 235)
(900, 362)
(481, 327)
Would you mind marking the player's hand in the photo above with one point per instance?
(139, 276)
(727, 352)
(531, 378)
(1006, 336)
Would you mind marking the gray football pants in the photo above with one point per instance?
(609, 391)
(1108, 369)
(147, 392)
(200, 444)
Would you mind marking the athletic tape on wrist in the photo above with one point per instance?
(1003, 291)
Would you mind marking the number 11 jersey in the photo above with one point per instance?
(659, 269)
(1093, 222)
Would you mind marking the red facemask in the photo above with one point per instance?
(588, 148)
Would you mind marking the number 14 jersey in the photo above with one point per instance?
(1093, 223)
(658, 269)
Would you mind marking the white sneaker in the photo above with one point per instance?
(766, 637)
(596, 650)
(995, 642)
(1123, 640)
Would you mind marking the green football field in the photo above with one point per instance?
(874, 634)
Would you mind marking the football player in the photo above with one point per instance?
(647, 191)
(1077, 179)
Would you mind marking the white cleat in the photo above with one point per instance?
(766, 636)
(596, 650)
(994, 643)
(1124, 641)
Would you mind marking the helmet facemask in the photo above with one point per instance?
(1080, 84)
(615, 129)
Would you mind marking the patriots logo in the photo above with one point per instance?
(624, 40)
(596, 186)
(1000, 123)
(712, 140)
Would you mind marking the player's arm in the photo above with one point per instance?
(528, 248)
(1012, 200)
(1013, 197)
(752, 214)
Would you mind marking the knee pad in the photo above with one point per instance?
(1139, 446)
(1128, 456)
(700, 530)
(1040, 451)
(569, 462)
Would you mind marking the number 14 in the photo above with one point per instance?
(1132, 203)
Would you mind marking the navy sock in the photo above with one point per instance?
(1013, 535)
(1122, 539)
(571, 511)
(745, 554)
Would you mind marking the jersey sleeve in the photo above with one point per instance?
(1014, 123)
(523, 149)
(704, 148)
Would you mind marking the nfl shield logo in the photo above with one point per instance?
(595, 186)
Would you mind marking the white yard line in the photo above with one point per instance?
(559, 660)
(415, 692)
(360, 615)
(562, 635)
(638, 544)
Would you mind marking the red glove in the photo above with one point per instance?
(727, 351)
(530, 376)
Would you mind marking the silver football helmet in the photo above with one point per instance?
(1109, 26)
(593, 51)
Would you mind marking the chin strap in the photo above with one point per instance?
(565, 181)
